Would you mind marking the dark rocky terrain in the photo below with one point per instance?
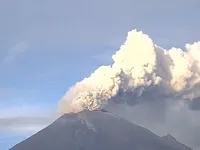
(97, 130)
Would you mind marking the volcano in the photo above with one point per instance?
(97, 130)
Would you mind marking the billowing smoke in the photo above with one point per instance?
(141, 71)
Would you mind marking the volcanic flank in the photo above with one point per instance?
(96, 130)
(143, 79)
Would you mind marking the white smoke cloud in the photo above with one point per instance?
(164, 117)
(141, 71)
(15, 52)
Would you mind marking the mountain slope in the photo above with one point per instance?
(95, 130)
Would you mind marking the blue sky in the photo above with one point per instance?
(47, 46)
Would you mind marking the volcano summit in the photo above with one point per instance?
(97, 130)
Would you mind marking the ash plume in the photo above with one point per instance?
(141, 71)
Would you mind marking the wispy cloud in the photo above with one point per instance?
(24, 125)
(15, 52)
(25, 120)
(21, 115)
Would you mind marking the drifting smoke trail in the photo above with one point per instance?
(139, 67)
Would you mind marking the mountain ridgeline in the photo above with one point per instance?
(97, 130)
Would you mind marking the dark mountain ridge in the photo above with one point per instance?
(96, 130)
